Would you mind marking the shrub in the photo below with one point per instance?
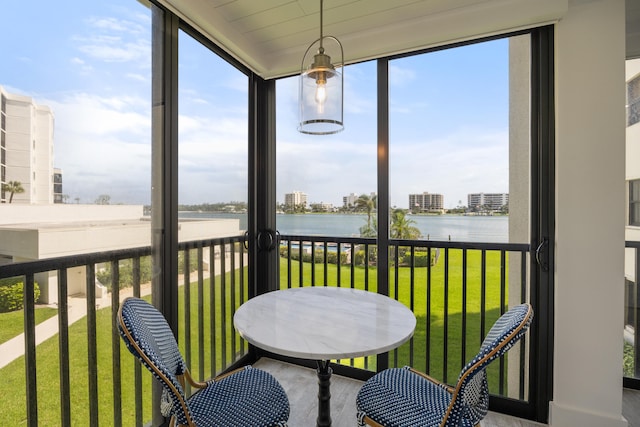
(332, 257)
(125, 270)
(359, 256)
(627, 361)
(420, 258)
(12, 294)
(283, 251)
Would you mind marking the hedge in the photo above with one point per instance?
(12, 294)
(332, 257)
(420, 258)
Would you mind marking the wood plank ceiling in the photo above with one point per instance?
(271, 36)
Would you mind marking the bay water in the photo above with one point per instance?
(459, 228)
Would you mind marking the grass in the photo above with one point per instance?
(12, 323)
(12, 394)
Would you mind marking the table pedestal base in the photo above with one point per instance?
(324, 393)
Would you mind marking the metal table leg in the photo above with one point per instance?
(324, 393)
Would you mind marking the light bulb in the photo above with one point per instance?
(321, 93)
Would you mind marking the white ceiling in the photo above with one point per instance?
(271, 36)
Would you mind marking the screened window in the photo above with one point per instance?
(634, 202)
(633, 101)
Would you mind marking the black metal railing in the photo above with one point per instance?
(212, 288)
(456, 289)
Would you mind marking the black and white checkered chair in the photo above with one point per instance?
(246, 397)
(402, 397)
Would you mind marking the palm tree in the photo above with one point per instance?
(369, 230)
(403, 228)
(367, 204)
(13, 187)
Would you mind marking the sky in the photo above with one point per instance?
(91, 64)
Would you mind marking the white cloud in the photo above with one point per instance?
(139, 78)
(400, 76)
(110, 39)
(103, 146)
(113, 48)
(325, 169)
(462, 162)
(92, 115)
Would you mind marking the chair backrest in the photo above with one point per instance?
(149, 338)
(471, 395)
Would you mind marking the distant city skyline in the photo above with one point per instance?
(478, 198)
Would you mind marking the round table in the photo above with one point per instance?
(323, 324)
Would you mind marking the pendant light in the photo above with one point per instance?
(321, 88)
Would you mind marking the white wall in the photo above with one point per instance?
(24, 214)
(589, 269)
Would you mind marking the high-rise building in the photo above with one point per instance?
(26, 149)
(296, 198)
(350, 200)
(426, 202)
(489, 201)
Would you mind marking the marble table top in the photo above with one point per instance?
(324, 323)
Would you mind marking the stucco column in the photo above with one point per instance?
(590, 202)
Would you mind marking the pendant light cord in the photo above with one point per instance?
(321, 34)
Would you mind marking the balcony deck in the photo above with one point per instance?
(301, 386)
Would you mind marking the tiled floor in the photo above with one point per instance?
(302, 388)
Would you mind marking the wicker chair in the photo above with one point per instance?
(245, 397)
(405, 397)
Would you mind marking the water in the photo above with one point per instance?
(489, 229)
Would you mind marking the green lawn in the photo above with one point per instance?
(12, 323)
(12, 394)
(420, 299)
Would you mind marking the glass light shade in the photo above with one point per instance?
(321, 92)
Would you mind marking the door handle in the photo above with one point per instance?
(541, 255)
(267, 239)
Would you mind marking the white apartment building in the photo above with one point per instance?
(491, 201)
(426, 202)
(325, 207)
(296, 198)
(26, 148)
(350, 200)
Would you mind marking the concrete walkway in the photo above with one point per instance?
(77, 309)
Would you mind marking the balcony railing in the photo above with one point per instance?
(82, 375)
(456, 290)
(62, 385)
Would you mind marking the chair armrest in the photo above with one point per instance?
(192, 381)
(203, 384)
(369, 422)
